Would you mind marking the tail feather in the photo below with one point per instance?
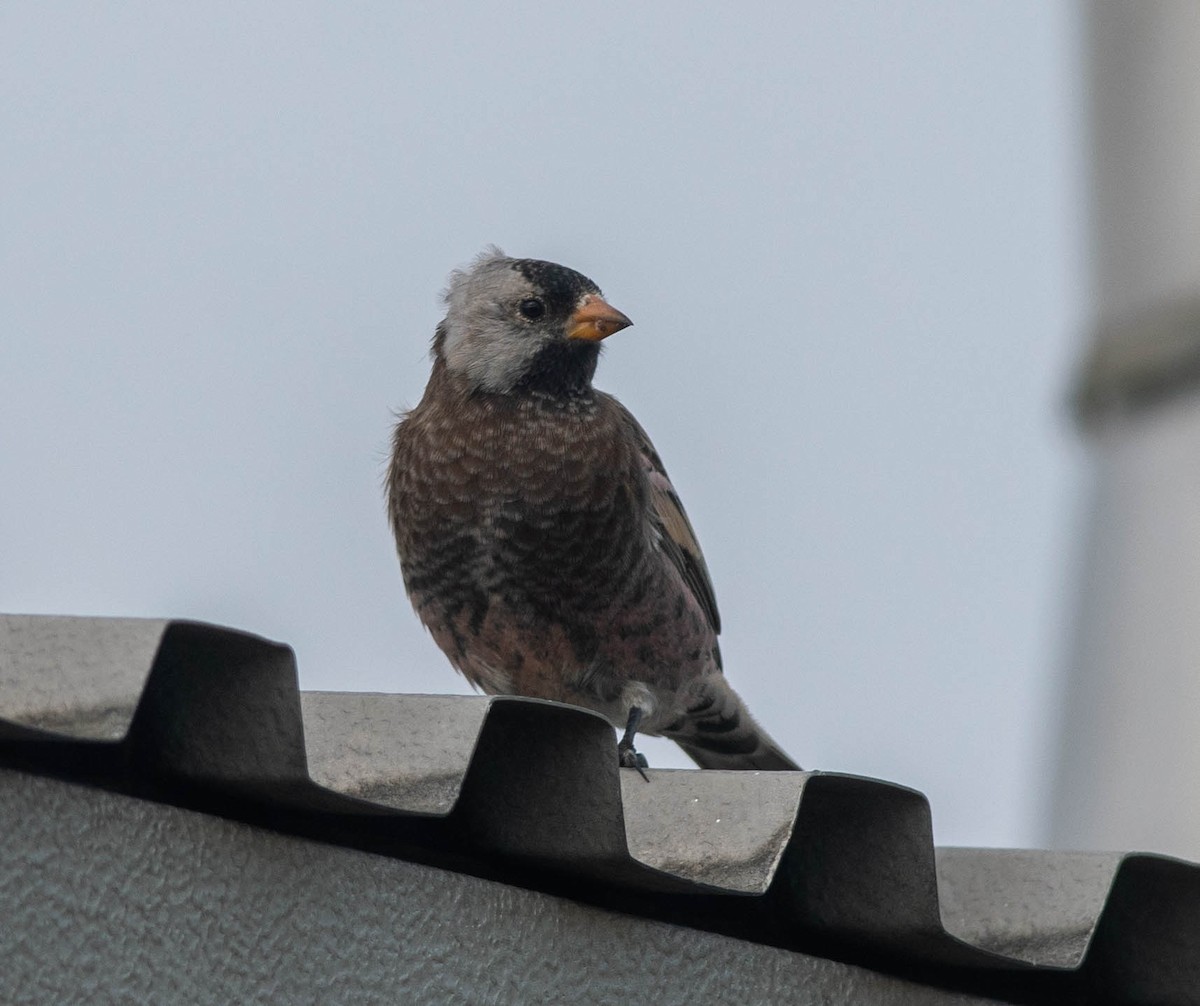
(719, 732)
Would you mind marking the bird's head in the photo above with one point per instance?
(523, 323)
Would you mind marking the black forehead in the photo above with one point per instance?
(556, 281)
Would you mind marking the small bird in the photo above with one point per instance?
(540, 539)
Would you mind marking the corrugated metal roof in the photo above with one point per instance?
(112, 899)
(529, 792)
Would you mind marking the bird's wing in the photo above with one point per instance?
(678, 538)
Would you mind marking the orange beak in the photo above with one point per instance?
(595, 319)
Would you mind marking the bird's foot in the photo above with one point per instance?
(627, 757)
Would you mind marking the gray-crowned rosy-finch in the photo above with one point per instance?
(540, 539)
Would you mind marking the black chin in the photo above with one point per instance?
(562, 368)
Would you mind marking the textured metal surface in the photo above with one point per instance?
(78, 677)
(1041, 907)
(163, 905)
(529, 793)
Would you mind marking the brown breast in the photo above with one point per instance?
(520, 522)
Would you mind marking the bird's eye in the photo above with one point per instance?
(531, 308)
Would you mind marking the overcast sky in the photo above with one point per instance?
(849, 236)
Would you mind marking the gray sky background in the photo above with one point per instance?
(849, 236)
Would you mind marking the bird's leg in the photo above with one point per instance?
(626, 755)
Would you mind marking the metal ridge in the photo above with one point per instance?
(529, 792)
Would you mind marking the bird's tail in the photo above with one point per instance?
(719, 732)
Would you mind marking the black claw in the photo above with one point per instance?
(627, 757)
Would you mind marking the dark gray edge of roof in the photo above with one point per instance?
(162, 904)
(1138, 362)
(218, 728)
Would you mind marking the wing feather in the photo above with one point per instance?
(678, 537)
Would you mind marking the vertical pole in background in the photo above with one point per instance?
(1129, 767)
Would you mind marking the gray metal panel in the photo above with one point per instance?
(78, 677)
(529, 792)
(162, 905)
(1039, 906)
(401, 752)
